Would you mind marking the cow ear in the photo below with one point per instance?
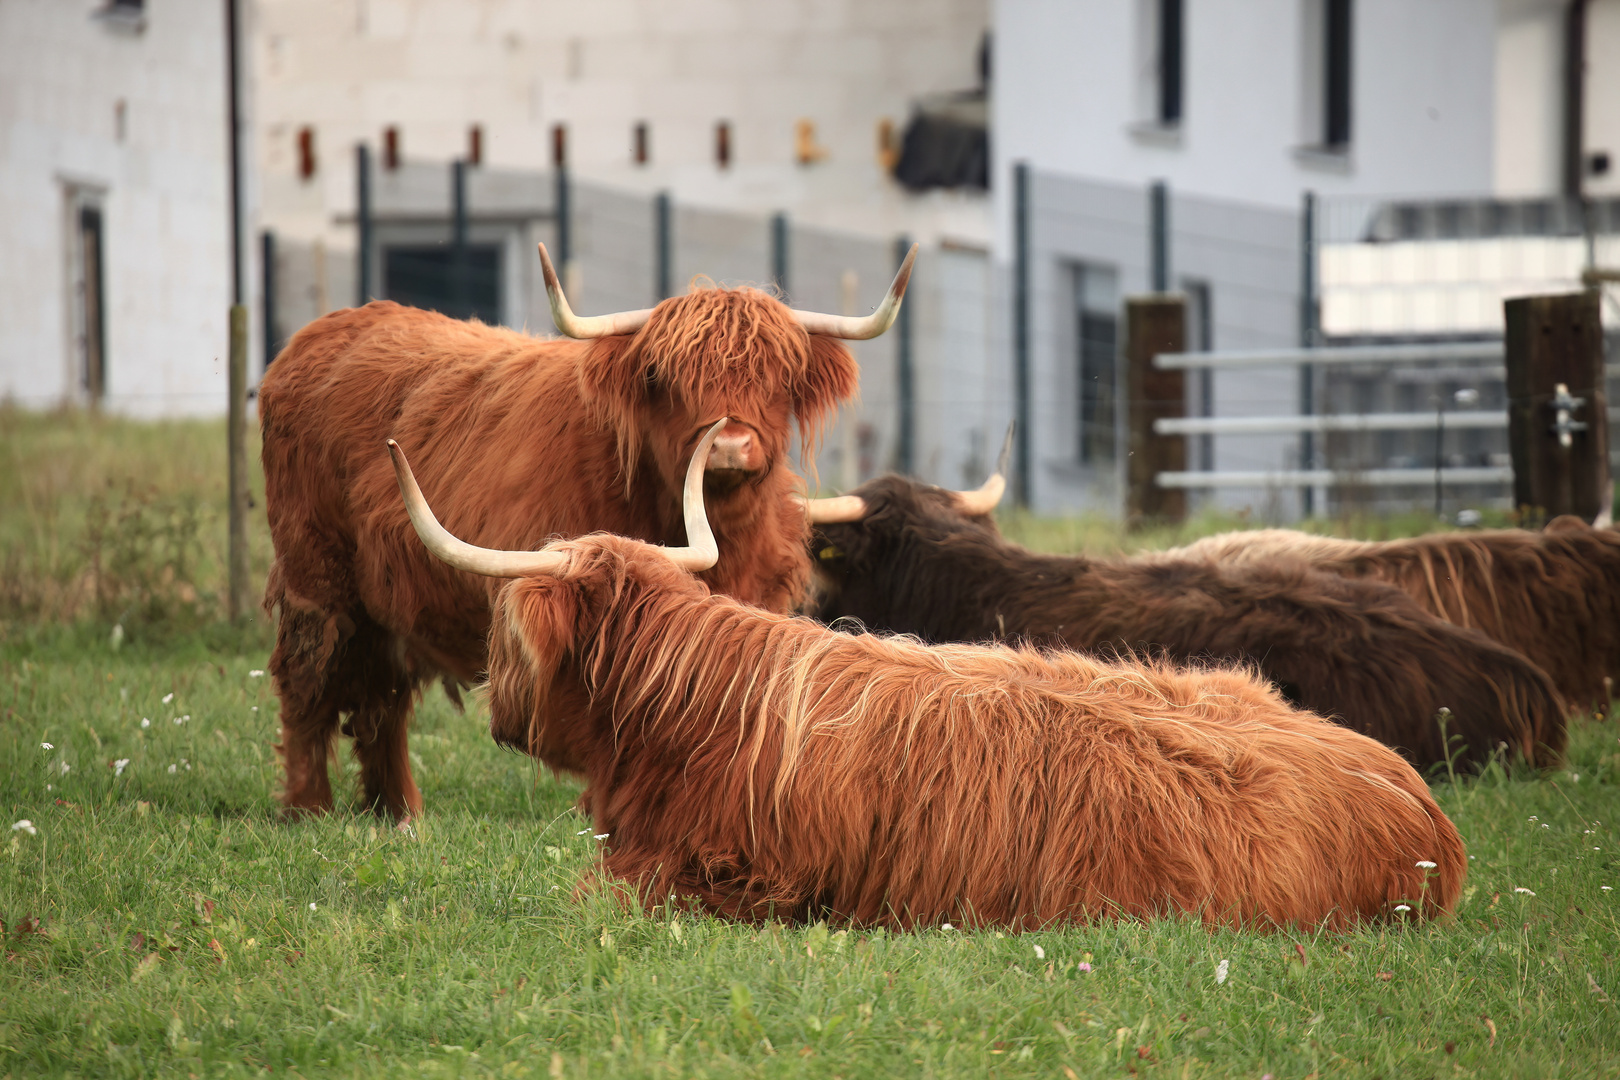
(534, 627)
(830, 377)
(613, 374)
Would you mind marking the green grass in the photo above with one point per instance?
(160, 923)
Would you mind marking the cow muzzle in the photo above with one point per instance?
(736, 456)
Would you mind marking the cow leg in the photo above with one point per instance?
(306, 641)
(381, 747)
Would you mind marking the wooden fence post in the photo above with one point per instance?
(239, 602)
(1153, 325)
(1560, 442)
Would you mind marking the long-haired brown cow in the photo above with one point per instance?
(1552, 595)
(544, 438)
(911, 558)
(762, 764)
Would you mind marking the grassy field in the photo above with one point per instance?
(160, 920)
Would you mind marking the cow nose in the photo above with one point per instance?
(736, 450)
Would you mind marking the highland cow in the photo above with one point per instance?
(545, 438)
(922, 560)
(762, 765)
(1553, 596)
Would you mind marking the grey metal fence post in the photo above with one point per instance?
(1020, 330)
(665, 253)
(1308, 335)
(458, 240)
(272, 336)
(1159, 217)
(906, 447)
(362, 219)
(565, 230)
(779, 252)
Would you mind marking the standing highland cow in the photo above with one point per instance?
(1552, 595)
(764, 765)
(910, 558)
(526, 440)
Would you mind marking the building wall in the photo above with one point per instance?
(433, 68)
(1068, 98)
(160, 176)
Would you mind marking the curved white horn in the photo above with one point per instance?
(585, 326)
(986, 497)
(458, 553)
(700, 553)
(863, 327)
(833, 511)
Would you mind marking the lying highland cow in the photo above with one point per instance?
(765, 765)
(922, 560)
(1552, 595)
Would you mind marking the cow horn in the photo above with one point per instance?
(459, 553)
(985, 499)
(701, 553)
(586, 326)
(862, 327)
(835, 510)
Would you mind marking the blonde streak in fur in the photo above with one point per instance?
(794, 712)
(1457, 586)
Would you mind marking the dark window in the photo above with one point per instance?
(1171, 29)
(722, 144)
(94, 375)
(420, 276)
(638, 143)
(1336, 72)
(1096, 291)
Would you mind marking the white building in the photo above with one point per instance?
(1434, 127)
(115, 280)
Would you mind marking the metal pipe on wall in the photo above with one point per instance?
(663, 230)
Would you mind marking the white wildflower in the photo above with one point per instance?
(256, 673)
(120, 765)
(1522, 889)
(253, 708)
(1607, 888)
(601, 836)
(46, 746)
(1220, 971)
(1040, 953)
(145, 722)
(582, 832)
(65, 767)
(946, 926)
(312, 907)
(168, 697)
(173, 769)
(25, 826)
(1425, 864)
(1403, 907)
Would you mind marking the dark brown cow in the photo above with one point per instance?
(764, 765)
(922, 560)
(544, 438)
(1552, 595)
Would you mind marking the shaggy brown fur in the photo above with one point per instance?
(765, 765)
(521, 439)
(1360, 651)
(1553, 595)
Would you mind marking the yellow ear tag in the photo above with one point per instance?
(829, 552)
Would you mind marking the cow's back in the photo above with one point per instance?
(493, 424)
